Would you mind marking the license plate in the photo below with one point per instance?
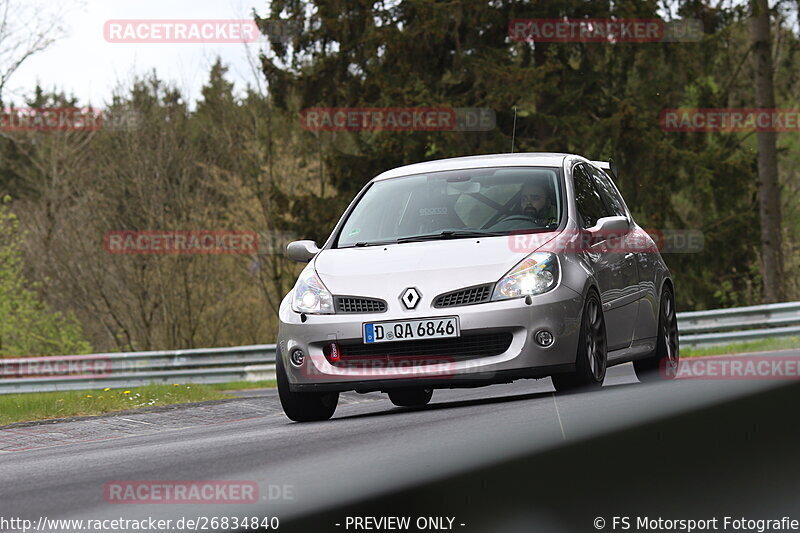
(408, 330)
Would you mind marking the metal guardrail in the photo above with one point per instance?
(739, 324)
(131, 369)
(253, 363)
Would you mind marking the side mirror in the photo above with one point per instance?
(610, 225)
(302, 251)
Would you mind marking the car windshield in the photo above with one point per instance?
(457, 203)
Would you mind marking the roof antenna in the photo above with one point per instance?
(514, 130)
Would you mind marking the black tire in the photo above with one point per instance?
(303, 406)
(411, 397)
(662, 365)
(591, 360)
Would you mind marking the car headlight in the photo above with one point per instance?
(536, 274)
(310, 294)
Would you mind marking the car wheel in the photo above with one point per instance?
(591, 360)
(663, 363)
(303, 406)
(411, 397)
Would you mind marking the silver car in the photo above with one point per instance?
(474, 271)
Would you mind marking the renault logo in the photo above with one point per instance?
(410, 298)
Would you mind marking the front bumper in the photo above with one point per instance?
(557, 311)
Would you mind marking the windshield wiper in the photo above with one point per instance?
(450, 234)
(447, 234)
(362, 244)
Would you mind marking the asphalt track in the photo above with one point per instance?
(369, 450)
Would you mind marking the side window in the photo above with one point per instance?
(607, 191)
(590, 204)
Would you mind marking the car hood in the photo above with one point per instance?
(433, 267)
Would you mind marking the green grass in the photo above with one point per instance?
(46, 405)
(765, 345)
(243, 385)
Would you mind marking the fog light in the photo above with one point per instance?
(297, 357)
(544, 338)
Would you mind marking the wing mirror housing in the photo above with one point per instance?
(608, 228)
(612, 225)
(302, 251)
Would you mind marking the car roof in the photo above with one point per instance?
(532, 159)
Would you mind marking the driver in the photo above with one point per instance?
(535, 203)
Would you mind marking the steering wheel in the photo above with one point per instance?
(520, 218)
(512, 218)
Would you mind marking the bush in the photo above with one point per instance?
(27, 326)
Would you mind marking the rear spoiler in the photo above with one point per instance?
(609, 166)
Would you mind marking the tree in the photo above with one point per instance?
(27, 326)
(768, 185)
(25, 30)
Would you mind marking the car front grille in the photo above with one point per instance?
(422, 352)
(356, 304)
(468, 296)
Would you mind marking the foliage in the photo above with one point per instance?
(27, 326)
